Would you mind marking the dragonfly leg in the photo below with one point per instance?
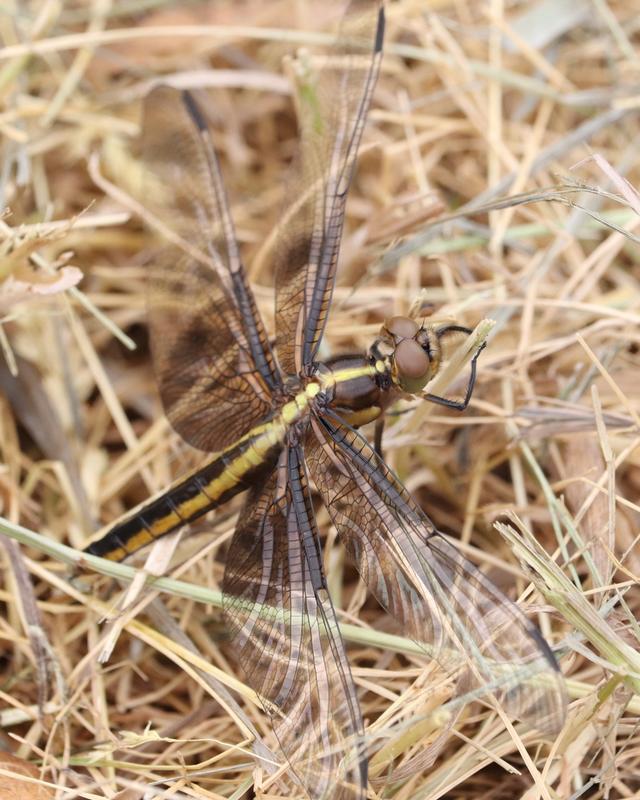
(377, 436)
(458, 405)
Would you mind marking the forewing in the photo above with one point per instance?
(211, 355)
(442, 600)
(286, 637)
(333, 110)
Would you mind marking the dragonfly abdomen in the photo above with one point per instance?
(230, 473)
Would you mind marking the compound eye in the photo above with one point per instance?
(401, 327)
(413, 366)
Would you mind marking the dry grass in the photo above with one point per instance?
(476, 101)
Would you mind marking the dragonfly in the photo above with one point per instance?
(278, 420)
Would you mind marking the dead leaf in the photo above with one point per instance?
(17, 788)
(27, 283)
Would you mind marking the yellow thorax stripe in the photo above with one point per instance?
(330, 379)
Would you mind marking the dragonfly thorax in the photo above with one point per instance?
(354, 386)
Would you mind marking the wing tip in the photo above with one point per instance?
(193, 109)
(544, 647)
(380, 30)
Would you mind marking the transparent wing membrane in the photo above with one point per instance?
(442, 600)
(286, 637)
(333, 109)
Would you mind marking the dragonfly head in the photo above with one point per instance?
(412, 352)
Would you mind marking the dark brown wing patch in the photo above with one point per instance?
(211, 355)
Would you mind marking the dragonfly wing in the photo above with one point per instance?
(333, 110)
(211, 355)
(286, 636)
(442, 600)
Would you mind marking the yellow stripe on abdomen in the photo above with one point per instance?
(209, 486)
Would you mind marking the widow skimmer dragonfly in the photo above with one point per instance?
(278, 423)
